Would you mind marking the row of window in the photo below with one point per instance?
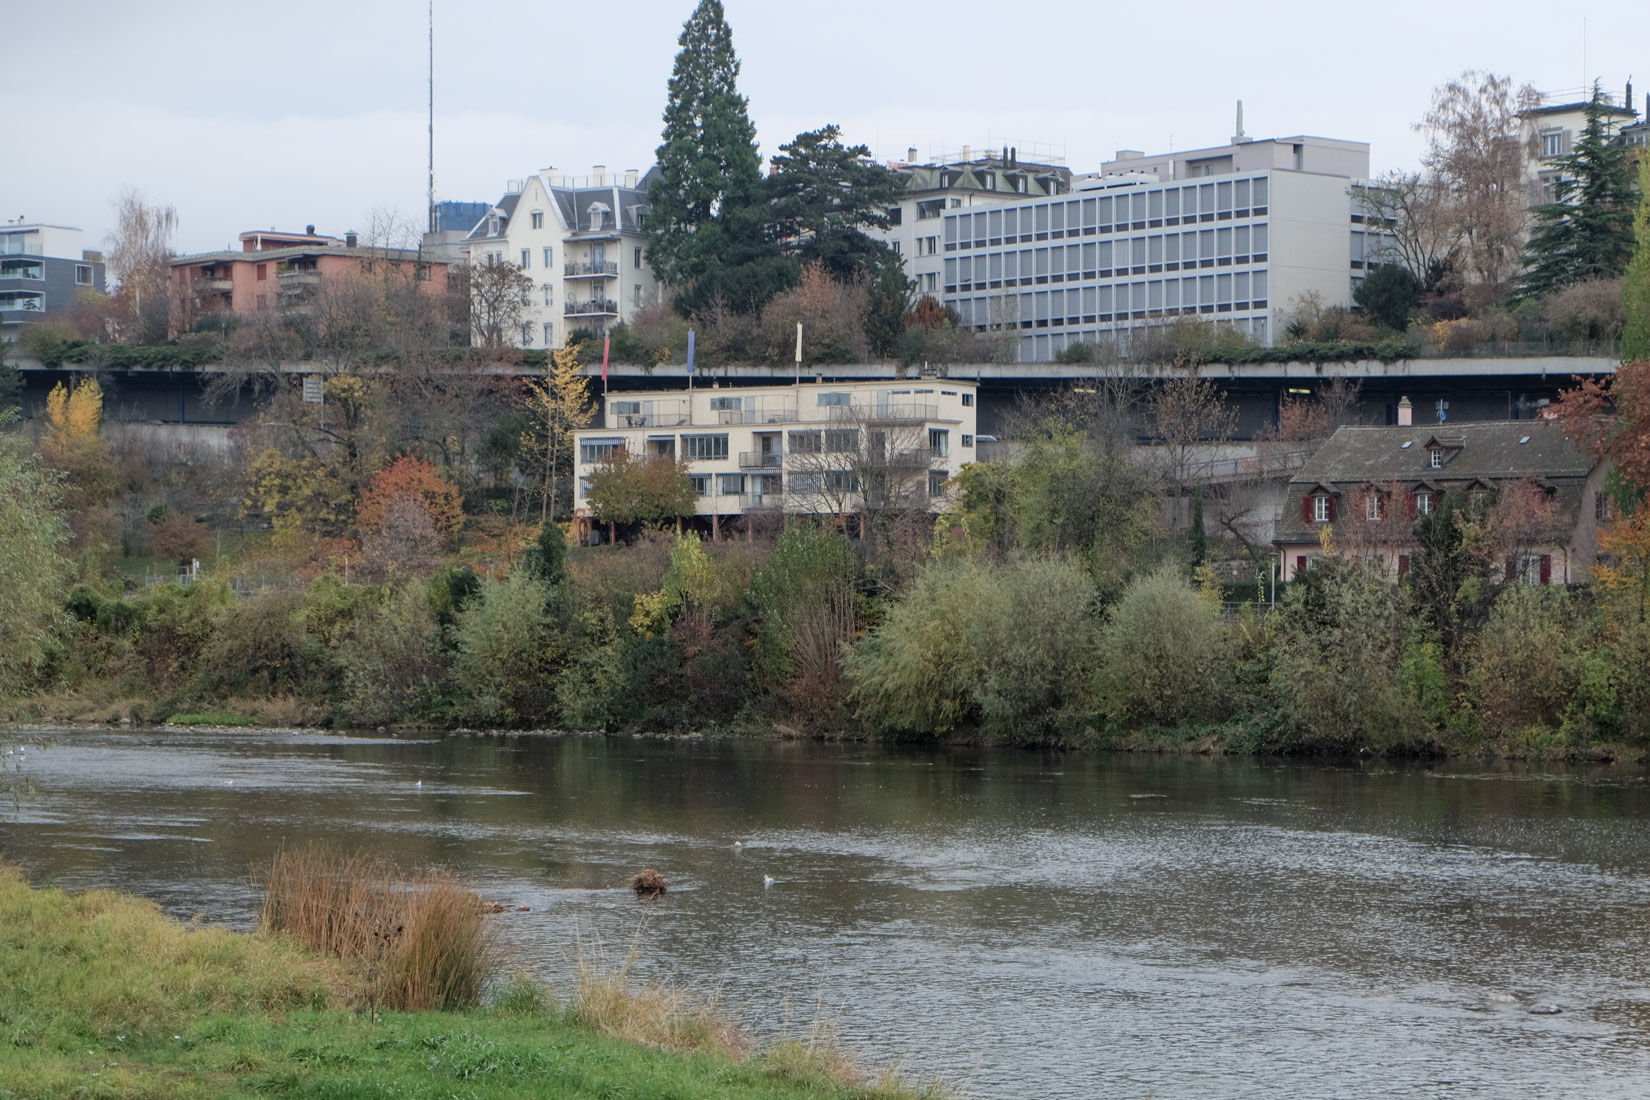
(713, 446)
(1320, 507)
(1223, 293)
(759, 487)
(1143, 255)
(1142, 209)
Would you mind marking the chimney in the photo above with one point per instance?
(631, 175)
(911, 155)
(968, 153)
(1406, 413)
(350, 239)
(598, 175)
(309, 230)
(1238, 138)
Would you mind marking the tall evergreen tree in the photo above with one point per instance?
(1586, 232)
(823, 195)
(705, 204)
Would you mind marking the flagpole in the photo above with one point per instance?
(607, 346)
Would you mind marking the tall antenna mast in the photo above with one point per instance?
(432, 115)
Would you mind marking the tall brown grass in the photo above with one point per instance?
(420, 940)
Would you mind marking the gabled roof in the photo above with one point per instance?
(1495, 449)
(506, 208)
(1490, 453)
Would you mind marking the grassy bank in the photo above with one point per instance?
(103, 996)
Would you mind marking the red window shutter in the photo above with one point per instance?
(1403, 564)
(1411, 505)
(1300, 564)
(1306, 508)
(1546, 569)
(1331, 509)
(1512, 568)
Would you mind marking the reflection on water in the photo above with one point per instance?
(1031, 925)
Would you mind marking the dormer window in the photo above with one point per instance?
(1423, 503)
(1318, 506)
(1374, 508)
(1438, 458)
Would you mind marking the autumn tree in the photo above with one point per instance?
(499, 294)
(1476, 153)
(139, 259)
(558, 404)
(411, 478)
(1416, 212)
(626, 490)
(1189, 414)
(73, 444)
(1586, 232)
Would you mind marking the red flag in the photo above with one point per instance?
(607, 345)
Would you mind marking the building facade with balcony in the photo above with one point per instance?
(276, 270)
(42, 268)
(1231, 234)
(815, 448)
(580, 241)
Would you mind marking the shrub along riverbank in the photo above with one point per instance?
(102, 996)
(811, 636)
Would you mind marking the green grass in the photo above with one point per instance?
(211, 718)
(103, 996)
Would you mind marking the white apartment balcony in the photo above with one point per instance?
(883, 413)
(590, 270)
(767, 414)
(761, 460)
(212, 285)
(593, 307)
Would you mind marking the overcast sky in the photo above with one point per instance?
(276, 115)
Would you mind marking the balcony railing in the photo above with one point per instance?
(649, 420)
(214, 285)
(592, 306)
(771, 499)
(772, 414)
(22, 271)
(914, 458)
(871, 414)
(761, 460)
(299, 277)
(597, 270)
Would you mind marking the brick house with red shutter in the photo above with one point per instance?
(1369, 486)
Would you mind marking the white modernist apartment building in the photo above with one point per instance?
(821, 448)
(1232, 234)
(579, 239)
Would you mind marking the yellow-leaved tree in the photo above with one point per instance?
(558, 405)
(73, 445)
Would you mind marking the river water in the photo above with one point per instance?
(1023, 925)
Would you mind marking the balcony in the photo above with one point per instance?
(590, 271)
(753, 501)
(649, 420)
(761, 460)
(298, 277)
(883, 414)
(592, 307)
(213, 285)
(915, 458)
(772, 414)
(13, 269)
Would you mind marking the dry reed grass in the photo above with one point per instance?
(652, 1014)
(421, 941)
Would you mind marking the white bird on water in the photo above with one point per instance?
(739, 844)
(767, 881)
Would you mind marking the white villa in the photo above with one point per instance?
(820, 448)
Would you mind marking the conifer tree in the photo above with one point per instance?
(705, 203)
(1586, 231)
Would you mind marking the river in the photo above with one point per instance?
(1022, 924)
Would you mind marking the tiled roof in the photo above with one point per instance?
(1489, 453)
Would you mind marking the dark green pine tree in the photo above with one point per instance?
(1587, 231)
(1635, 290)
(705, 204)
(823, 195)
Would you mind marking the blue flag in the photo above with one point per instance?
(690, 352)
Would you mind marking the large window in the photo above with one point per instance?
(833, 400)
(842, 440)
(1423, 503)
(593, 451)
(730, 485)
(805, 443)
(526, 258)
(1320, 509)
(939, 441)
(705, 448)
